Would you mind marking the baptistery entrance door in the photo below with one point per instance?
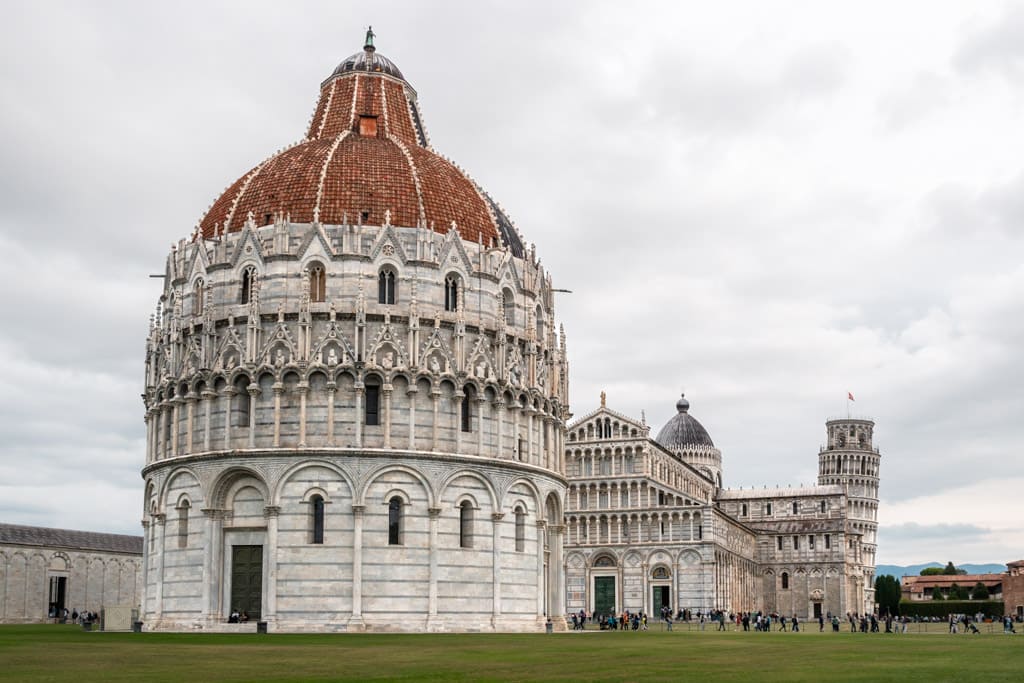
(604, 595)
(661, 596)
(247, 579)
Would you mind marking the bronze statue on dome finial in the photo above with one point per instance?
(369, 40)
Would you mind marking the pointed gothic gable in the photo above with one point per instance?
(482, 354)
(199, 263)
(315, 243)
(435, 347)
(248, 245)
(280, 339)
(452, 252)
(193, 355)
(333, 337)
(387, 341)
(388, 237)
(230, 351)
(507, 273)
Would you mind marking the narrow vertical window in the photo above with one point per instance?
(372, 411)
(197, 297)
(317, 284)
(508, 304)
(241, 401)
(823, 506)
(466, 524)
(386, 286)
(317, 510)
(540, 327)
(796, 543)
(828, 542)
(451, 293)
(768, 509)
(810, 542)
(520, 530)
(395, 521)
(183, 510)
(743, 510)
(778, 542)
(248, 284)
(796, 508)
(785, 581)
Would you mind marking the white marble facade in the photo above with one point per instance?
(254, 409)
(648, 526)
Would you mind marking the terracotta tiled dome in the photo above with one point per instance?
(366, 153)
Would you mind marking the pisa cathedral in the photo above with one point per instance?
(356, 395)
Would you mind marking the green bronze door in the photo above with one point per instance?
(604, 595)
(247, 579)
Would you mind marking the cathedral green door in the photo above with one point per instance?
(604, 595)
(247, 579)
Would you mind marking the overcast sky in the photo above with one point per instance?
(766, 205)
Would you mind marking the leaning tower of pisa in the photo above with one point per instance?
(851, 460)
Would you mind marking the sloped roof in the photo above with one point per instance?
(43, 537)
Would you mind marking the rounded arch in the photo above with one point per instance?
(289, 473)
(534, 491)
(442, 489)
(228, 479)
(178, 471)
(374, 475)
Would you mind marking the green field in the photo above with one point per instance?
(66, 653)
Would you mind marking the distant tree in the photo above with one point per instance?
(932, 571)
(956, 593)
(936, 593)
(979, 592)
(887, 594)
(951, 570)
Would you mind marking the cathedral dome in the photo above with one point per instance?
(366, 160)
(683, 430)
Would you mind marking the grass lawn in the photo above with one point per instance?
(66, 653)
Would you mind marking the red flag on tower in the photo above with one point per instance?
(849, 395)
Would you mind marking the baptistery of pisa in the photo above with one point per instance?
(355, 392)
(356, 403)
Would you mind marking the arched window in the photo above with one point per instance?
(372, 409)
(197, 297)
(768, 509)
(241, 402)
(467, 410)
(386, 286)
(395, 521)
(785, 581)
(451, 293)
(248, 284)
(823, 506)
(317, 283)
(743, 510)
(508, 304)
(317, 511)
(466, 524)
(796, 508)
(520, 530)
(183, 510)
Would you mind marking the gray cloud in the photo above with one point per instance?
(763, 213)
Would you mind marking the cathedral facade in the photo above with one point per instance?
(649, 527)
(355, 392)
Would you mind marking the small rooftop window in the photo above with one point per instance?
(368, 126)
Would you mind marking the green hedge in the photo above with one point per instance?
(943, 608)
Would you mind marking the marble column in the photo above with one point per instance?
(278, 391)
(386, 390)
(496, 568)
(541, 529)
(270, 513)
(208, 398)
(160, 521)
(355, 622)
(254, 391)
(332, 392)
(411, 394)
(358, 417)
(303, 389)
(229, 394)
(435, 514)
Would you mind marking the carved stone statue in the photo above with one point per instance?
(388, 361)
(435, 366)
(279, 360)
(332, 357)
(481, 369)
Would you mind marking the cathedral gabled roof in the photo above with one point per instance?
(365, 159)
(16, 534)
(683, 430)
